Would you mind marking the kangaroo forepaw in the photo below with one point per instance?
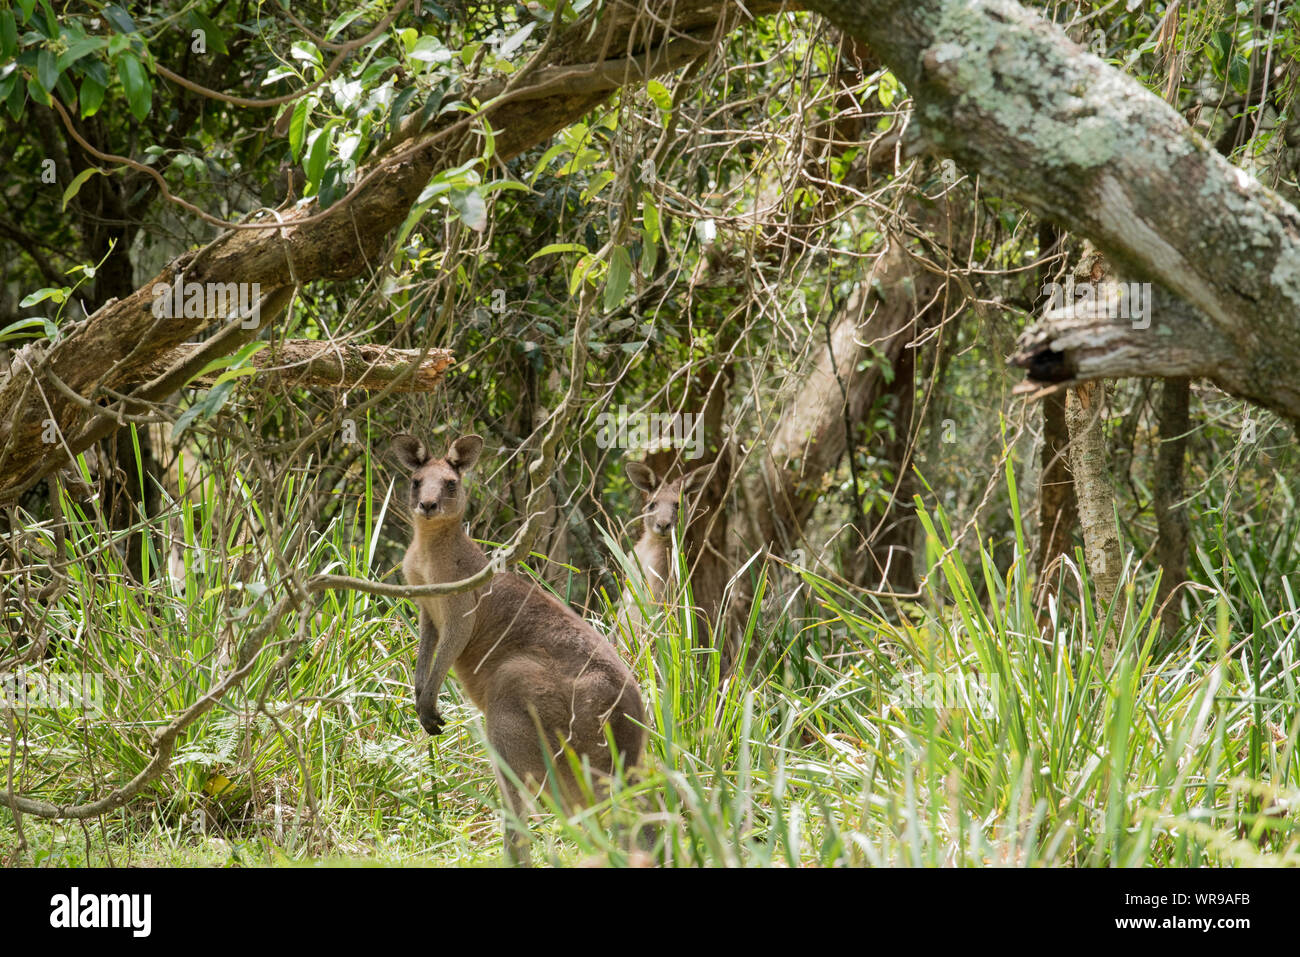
(430, 717)
(431, 722)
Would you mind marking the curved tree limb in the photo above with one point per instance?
(1007, 94)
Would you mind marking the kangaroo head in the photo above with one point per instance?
(662, 501)
(437, 494)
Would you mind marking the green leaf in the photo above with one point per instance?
(318, 154)
(376, 69)
(96, 69)
(597, 183)
(136, 83)
(620, 273)
(650, 217)
(51, 24)
(430, 50)
(506, 184)
(241, 367)
(412, 218)
(471, 207)
(17, 98)
(558, 248)
(1239, 74)
(306, 52)
(660, 96)
(15, 329)
(37, 92)
(341, 22)
(332, 186)
(507, 49)
(1219, 43)
(58, 293)
(888, 90)
(119, 18)
(583, 270)
(649, 256)
(212, 33)
(232, 361)
(78, 49)
(205, 408)
(8, 35)
(545, 161)
(399, 106)
(298, 127)
(92, 96)
(47, 68)
(75, 186)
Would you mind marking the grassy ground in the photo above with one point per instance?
(957, 730)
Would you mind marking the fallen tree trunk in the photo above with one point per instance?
(1008, 95)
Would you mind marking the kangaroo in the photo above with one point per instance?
(653, 549)
(534, 668)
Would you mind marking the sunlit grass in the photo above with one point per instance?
(825, 753)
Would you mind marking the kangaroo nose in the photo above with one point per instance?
(428, 507)
(661, 528)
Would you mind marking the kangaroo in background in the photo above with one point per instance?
(532, 666)
(653, 550)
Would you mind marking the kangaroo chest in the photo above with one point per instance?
(444, 611)
(656, 563)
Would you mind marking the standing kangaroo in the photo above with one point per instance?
(653, 550)
(534, 668)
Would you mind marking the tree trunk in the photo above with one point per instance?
(1171, 512)
(847, 377)
(1093, 490)
(1058, 511)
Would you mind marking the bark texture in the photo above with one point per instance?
(1058, 512)
(1170, 509)
(1008, 95)
(1093, 490)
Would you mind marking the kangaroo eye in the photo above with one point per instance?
(415, 484)
(451, 485)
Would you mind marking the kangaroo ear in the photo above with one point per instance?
(694, 480)
(641, 475)
(409, 451)
(464, 452)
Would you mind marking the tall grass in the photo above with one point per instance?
(954, 731)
